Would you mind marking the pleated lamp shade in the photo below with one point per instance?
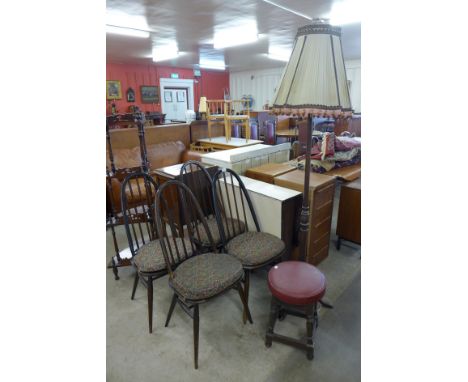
(314, 81)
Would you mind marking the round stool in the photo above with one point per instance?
(296, 288)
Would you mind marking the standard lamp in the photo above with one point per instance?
(313, 84)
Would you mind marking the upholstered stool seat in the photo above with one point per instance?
(296, 288)
(296, 283)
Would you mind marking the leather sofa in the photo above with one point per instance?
(129, 159)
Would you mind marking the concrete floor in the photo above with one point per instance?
(229, 350)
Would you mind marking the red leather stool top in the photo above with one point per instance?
(296, 283)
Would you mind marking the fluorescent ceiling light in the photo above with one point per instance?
(211, 58)
(165, 52)
(212, 64)
(345, 12)
(213, 67)
(288, 9)
(243, 33)
(125, 20)
(124, 31)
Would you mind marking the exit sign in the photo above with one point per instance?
(174, 75)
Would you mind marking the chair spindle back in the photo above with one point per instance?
(168, 227)
(137, 201)
(233, 205)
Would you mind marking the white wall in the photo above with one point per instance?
(261, 84)
(353, 72)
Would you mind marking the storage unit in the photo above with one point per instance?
(321, 192)
(349, 213)
(242, 158)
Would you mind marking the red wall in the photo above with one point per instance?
(211, 84)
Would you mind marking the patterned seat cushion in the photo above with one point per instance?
(255, 248)
(206, 275)
(238, 225)
(150, 258)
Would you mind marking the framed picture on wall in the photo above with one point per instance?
(113, 90)
(149, 94)
(167, 96)
(181, 96)
(130, 95)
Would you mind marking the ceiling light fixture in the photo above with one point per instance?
(165, 52)
(212, 64)
(244, 33)
(288, 9)
(124, 31)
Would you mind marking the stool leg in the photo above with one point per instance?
(271, 324)
(310, 313)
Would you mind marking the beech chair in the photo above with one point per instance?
(195, 277)
(234, 213)
(137, 198)
(198, 179)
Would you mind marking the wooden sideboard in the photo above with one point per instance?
(321, 194)
(268, 172)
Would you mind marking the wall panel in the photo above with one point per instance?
(211, 84)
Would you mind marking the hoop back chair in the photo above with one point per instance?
(195, 277)
(137, 199)
(199, 180)
(253, 248)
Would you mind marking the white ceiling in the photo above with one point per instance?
(191, 23)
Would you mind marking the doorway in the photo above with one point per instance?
(176, 98)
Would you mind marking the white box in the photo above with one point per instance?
(243, 158)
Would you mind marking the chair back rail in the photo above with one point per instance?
(232, 205)
(137, 197)
(168, 227)
(196, 177)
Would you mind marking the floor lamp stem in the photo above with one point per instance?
(305, 213)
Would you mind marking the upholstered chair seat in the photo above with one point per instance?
(206, 275)
(232, 224)
(254, 248)
(149, 257)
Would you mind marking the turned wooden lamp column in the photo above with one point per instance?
(313, 84)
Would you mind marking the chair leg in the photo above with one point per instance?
(150, 303)
(135, 284)
(246, 306)
(271, 325)
(246, 293)
(171, 309)
(195, 334)
(310, 312)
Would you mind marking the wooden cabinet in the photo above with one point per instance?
(349, 213)
(321, 193)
